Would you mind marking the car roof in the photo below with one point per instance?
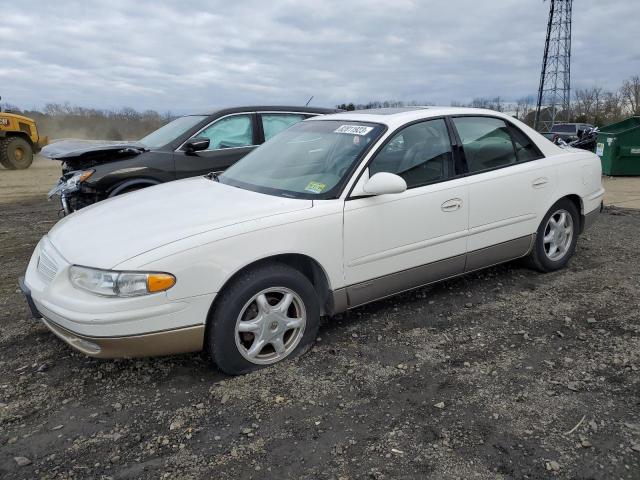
(269, 108)
(394, 117)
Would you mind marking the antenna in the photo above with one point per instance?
(554, 94)
(308, 101)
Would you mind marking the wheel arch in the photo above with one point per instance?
(308, 266)
(21, 135)
(577, 201)
(118, 188)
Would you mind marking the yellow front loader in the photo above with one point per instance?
(19, 140)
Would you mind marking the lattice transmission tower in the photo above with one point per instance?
(554, 94)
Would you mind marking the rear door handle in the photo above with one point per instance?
(452, 205)
(540, 182)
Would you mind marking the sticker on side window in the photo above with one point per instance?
(315, 187)
(353, 129)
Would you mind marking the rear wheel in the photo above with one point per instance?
(556, 237)
(16, 153)
(266, 315)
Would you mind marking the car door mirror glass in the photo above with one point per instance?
(196, 144)
(385, 183)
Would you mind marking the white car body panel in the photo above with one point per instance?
(159, 217)
(204, 232)
(384, 234)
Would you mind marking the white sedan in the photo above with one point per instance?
(333, 213)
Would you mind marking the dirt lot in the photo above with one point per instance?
(502, 374)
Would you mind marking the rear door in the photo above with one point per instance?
(272, 123)
(508, 179)
(230, 138)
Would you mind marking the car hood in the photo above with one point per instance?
(78, 149)
(114, 230)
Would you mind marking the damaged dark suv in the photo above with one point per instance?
(185, 147)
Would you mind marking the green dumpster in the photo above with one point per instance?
(619, 147)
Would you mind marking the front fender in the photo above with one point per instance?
(134, 182)
(204, 263)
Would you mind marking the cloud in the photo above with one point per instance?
(181, 56)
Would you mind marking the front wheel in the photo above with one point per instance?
(266, 315)
(15, 153)
(556, 237)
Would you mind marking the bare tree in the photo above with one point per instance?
(587, 105)
(630, 93)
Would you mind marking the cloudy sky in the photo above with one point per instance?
(184, 55)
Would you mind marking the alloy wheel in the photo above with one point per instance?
(270, 325)
(558, 235)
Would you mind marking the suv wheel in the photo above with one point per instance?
(266, 315)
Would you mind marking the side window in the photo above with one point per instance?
(273, 123)
(525, 149)
(419, 153)
(229, 132)
(486, 142)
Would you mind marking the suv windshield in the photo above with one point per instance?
(171, 131)
(311, 159)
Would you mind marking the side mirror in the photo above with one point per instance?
(196, 144)
(384, 183)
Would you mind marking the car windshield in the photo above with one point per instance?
(171, 131)
(311, 159)
(563, 128)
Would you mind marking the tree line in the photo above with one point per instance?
(69, 121)
(593, 105)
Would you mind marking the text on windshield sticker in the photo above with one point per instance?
(353, 129)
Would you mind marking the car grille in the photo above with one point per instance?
(46, 266)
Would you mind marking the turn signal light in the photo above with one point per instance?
(159, 282)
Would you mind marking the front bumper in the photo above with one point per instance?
(181, 340)
(104, 327)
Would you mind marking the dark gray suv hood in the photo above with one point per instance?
(79, 149)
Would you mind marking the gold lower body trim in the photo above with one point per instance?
(181, 340)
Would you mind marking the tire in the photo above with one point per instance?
(4, 161)
(240, 319)
(543, 257)
(16, 153)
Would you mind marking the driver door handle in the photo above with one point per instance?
(452, 205)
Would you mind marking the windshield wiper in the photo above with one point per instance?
(213, 176)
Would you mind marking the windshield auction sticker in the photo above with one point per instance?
(315, 187)
(353, 129)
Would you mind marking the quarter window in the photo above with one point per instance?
(230, 132)
(273, 123)
(525, 149)
(486, 142)
(419, 153)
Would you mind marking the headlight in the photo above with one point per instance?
(111, 283)
(77, 178)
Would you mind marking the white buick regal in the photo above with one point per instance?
(333, 213)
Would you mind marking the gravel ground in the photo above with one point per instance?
(506, 373)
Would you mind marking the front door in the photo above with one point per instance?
(230, 139)
(400, 241)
